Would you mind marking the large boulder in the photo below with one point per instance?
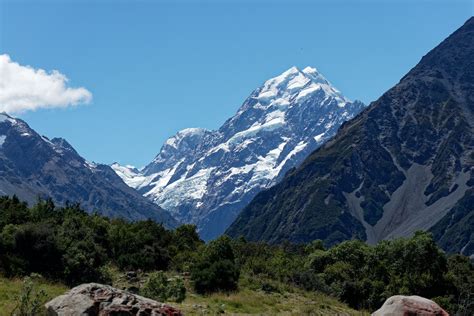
(400, 305)
(94, 299)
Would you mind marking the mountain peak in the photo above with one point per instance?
(205, 177)
(296, 84)
(404, 164)
(191, 131)
(187, 133)
(33, 166)
(310, 70)
(5, 117)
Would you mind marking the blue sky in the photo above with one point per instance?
(155, 67)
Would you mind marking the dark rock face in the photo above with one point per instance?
(400, 305)
(403, 164)
(207, 177)
(33, 166)
(102, 300)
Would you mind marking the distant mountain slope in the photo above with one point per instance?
(33, 166)
(403, 164)
(207, 177)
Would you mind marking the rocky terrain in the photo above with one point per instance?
(97, 299)
(206, 177)
(410, 305)
(405, 163)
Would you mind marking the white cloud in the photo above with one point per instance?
(23, 88)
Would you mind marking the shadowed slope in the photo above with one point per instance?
(400, 165)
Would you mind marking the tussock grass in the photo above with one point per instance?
(10, 289)
(249, 300)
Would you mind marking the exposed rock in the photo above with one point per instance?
(102, 300)
(400, 305)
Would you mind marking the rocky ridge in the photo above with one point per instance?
(406, 163)
(33, 166)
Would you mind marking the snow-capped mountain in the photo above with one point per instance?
(33, 166)
(406, 163)
(206, 177)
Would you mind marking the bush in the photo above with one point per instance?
(364, 277)
(29, 248)
(177, 290)
(216, 268)
(140, 245)
(83, 255)
(160, 288)
(185, 246)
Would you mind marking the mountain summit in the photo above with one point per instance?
(405, 163)
(206, 177)
(33, 166)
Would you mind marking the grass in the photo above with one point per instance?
(249, 300)
(10, 289)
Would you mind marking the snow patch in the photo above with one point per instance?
(299, 147)
(174, 141)
(6, 118)
(268, 126)
(307, 91)
(91, 165)
(318, 137)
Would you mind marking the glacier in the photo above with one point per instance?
(207, 177)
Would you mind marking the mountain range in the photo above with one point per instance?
(405, 163)
(33, 166)
(297, 162)
(206, 177)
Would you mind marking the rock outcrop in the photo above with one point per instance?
(94, 299)
(400, 305)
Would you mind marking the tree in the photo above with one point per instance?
(216, 268)
(82, 255)
(186, 241)
(12, 211)
(140, 245)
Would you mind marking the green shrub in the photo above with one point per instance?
(159, 287)
(216, 268)
(177, 290)
(140, 245)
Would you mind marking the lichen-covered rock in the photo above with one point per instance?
(400, 305)
(94, 299)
